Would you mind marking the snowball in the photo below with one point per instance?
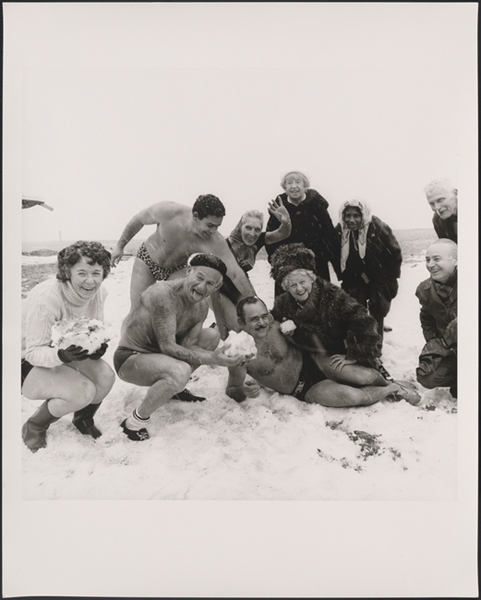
(241, 343)
(288, 326)
(89, 334)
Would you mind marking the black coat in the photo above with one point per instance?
(312, 226)
(382, 262)
(446, 228)
(342, 324)
(436, 315)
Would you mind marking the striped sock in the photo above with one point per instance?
(135, 422)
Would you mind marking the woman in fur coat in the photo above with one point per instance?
(328, 322)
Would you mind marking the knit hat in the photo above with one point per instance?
(290, 257)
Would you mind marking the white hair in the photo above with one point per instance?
(304, 178)
(439, 184)
(254, 214)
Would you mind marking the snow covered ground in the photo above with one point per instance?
(270, 448)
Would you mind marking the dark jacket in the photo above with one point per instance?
(312, 226)
(435, 314)
(382, 262)
(445, 228)
(342, 324)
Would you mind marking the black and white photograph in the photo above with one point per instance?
(230, 277)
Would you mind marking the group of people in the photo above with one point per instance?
(320, 343)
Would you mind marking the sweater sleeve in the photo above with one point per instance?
(428, 324)
(39, 321)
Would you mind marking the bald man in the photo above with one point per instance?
(438, 297)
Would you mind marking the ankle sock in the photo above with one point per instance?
(135, 422)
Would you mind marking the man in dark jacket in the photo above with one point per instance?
(438, 296)
(442, 197)
(311, 223)
(370, 259)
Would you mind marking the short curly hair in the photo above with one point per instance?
(288, 258)
(94, 252)
(208, 206)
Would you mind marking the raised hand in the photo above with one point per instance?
(223, 360)
(278, 210)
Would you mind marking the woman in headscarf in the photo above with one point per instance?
(370, 259)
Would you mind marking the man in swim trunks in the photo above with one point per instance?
(289, 370)
(163, 341)
(180, 232)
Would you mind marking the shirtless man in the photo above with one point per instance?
(163, 341)
(180, 232)
(288, 370)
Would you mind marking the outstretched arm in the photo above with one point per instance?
(164, 321)
(149, 216)
(279, 211)
(238, 277)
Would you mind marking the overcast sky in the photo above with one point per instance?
(126, 105)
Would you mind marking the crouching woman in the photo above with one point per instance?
(69, 380)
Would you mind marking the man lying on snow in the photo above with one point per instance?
(162, 339)
(289, 370)
(438, 296)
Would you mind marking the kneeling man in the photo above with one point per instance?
(438, 296)
(289, 370)
(163, 341)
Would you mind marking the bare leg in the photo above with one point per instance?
(331, 393)
(355, 375)
(141, 279)
(69, 387)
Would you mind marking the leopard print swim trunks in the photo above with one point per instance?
(159, 273)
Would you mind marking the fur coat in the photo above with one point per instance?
(342, 325)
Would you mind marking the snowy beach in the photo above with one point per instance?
(273, 447)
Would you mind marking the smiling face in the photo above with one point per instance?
(295, 188)
(299, 286)
(257, 320)
(86, 278)
(251, 229)
(443, 202)
(206, 227)
(352, 217)
(201, 282)
(441, 262)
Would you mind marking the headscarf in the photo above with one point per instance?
(363, 206)
(245, 255)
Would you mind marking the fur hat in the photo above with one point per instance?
(290, 257)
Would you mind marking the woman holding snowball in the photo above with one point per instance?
(73, 378)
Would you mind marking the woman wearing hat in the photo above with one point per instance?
(339, 332)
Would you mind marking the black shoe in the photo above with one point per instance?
(186, 396)
(387, 329)
(84, 421)
(136, 435)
